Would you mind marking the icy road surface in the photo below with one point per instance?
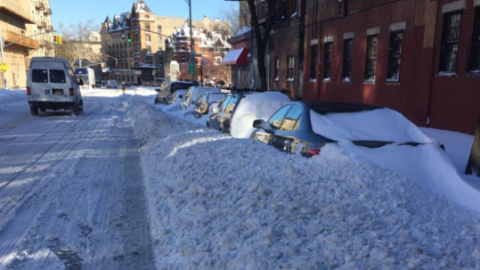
(71, 188)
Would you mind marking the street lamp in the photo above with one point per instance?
(116, 60)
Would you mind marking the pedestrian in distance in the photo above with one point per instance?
(123, 87)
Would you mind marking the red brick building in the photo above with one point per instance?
(419, 57)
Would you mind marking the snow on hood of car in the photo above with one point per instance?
(375, 125)
(253, 107)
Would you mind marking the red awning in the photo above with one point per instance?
(236, 57)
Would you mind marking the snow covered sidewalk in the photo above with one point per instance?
(217, 202)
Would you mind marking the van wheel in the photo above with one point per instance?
(33, 110)
(76, 110)
(156, 101)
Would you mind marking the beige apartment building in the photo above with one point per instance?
(139, 59)
(20, 22)
(42, 16)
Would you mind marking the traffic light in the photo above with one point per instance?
(55, 39)
(129, 38)
(60, 40)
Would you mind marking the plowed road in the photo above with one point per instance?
(71, 188)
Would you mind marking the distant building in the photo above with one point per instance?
(143, 58)
(42, 16)
(210, 48)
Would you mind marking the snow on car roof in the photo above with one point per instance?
(255, 106)
(377, 125)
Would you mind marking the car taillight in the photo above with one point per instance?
(29, 92)
(72, 92)
(313, 152)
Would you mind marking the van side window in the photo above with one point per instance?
(39, 76)
(57, 76)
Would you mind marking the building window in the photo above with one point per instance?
(290, 64)
(147, 27)
(147, 38)
(294, 7)
(394, 57)
(474, 58)
(218, 60)
(450, 41)
(371, 58)
(327, 61)
(159, 29)
(347, 60)
(184, 60)
(277, 67)
(313, 62)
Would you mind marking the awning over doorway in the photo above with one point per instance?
(236, 57)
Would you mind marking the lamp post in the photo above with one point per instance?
(189, 2)
(116, 60)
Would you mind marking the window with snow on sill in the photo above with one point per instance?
(447, 74)
(346, 79)
(290, 80)
(326, 80)
(394, 78)
(313, 80)
(370, 80)
(276, 79)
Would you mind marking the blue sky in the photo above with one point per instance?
(73, 11)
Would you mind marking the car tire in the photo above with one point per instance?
(33, 110)
(76, 110)
(156, 101)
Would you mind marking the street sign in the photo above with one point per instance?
(4, 67)
(191, 68)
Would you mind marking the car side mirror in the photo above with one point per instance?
(259, 123)
(215, 110)
(196, 114)
(157, 89)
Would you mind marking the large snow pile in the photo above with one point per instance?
(458, 145)
(381, 125)
(427, 165)
(216, 202)
(253, 107)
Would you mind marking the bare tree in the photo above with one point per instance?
(76, 39)
(232, 15)
(263, 20)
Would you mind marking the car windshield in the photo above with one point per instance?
(215, 97)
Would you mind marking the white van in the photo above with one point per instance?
(52, 85)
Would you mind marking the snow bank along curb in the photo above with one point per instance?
(217, 202)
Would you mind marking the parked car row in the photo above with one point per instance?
(297, 126)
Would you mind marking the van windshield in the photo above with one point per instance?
(57, 76)
(39, 76)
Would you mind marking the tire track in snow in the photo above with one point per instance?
(26, 200)
(104, 222)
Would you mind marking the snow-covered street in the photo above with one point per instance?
(71, 188)
(129, 186)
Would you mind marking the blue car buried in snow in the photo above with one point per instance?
(306, 127)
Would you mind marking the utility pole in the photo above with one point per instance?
(192, 57)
